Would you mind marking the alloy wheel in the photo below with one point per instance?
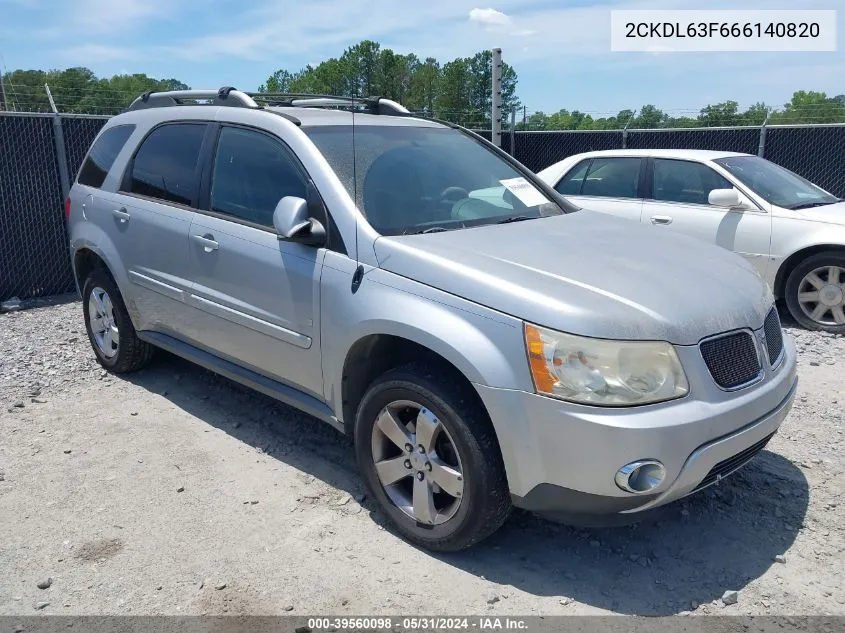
(821, 295)
(102, 322)
(417, 462)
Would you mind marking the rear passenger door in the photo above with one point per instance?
(609, 185)
(257, 297)
(678, 201)
(150, 217)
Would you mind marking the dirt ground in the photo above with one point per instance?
(174, 491)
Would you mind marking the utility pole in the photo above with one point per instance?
(496, 114)
(2, 93)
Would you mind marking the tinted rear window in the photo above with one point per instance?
(167, 164)
(103, 154)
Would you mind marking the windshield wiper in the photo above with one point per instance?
(514, 218)
(808, 205)
(431, 229)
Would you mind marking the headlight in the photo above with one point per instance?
(601, 372)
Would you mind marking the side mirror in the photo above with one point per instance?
(728, 198)
(294, 224)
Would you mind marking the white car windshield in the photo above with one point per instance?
(775, 184)
(414, 179)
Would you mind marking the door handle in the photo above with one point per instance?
(121, 214)
(661, 219)
(207, 242)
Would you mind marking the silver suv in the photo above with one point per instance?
(482, 342)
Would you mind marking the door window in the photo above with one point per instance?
(252, 172)
(685, 181)
(167, 164)
(103, 154)
(571, 183)
(612, 178)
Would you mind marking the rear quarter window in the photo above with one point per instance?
(103, 154)
(166, 166)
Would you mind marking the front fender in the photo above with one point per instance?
(487, 347)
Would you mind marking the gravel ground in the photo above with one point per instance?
(176, 491)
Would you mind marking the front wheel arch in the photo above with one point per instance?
(790, 263)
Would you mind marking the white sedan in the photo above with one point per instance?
(792, 231)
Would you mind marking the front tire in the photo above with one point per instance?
(110, 330)
(815, 292)
(429, 455)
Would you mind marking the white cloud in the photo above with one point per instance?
(489, 17)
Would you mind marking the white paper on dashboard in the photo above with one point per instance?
(525, 191)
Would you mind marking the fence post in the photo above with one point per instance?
(625, 131)
(761, 148)
(59, 142)
(496, 113)
(513, 131)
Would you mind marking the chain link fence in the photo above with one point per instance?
(34, 259)
(79, 133)
(40, 151)
(737, 139)
(817, 153)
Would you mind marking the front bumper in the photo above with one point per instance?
(561, 458)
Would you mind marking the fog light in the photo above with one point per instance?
(642, 476)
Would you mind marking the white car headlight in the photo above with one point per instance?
(603, 372)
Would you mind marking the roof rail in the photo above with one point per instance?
(225, 96)
(374, 105)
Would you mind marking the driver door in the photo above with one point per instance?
(256, 297)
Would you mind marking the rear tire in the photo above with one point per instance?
(110, 330)
(815, 292)
(464, 456)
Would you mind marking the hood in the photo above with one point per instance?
(589, 274)
(830, 213)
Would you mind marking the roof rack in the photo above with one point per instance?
(226, 96)
(374, 105)
(231, 97)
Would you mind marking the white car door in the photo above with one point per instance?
(608, 185)
(677, 200)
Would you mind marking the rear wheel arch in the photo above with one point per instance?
(86, 260)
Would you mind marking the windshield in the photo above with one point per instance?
(415, 179)
(775, 184)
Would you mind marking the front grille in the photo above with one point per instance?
(774, 337)
(732, 359)
(732, 464)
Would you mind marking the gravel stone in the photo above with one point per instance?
(702, 546)
(45, 584)
(493, 599)
(730, 597)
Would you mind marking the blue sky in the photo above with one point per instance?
(560, 48)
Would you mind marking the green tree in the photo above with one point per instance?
(280, 81)
(726, 113)
(755, 114)
(78, 90)
(425, 80)
(807, 106)
(649, 117)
